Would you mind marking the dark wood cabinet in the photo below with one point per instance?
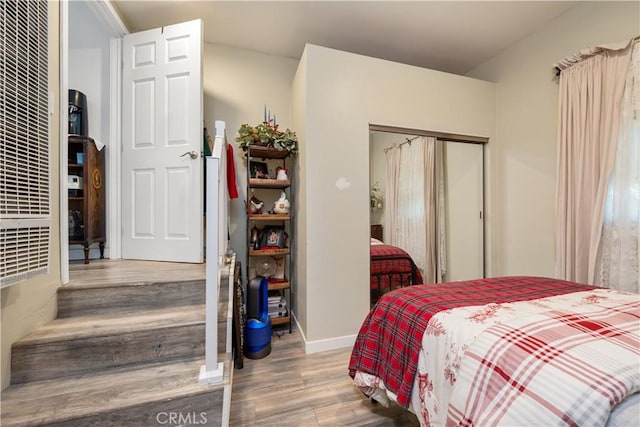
(86, 184)
(376, 231)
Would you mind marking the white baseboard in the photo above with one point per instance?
(329, 344)
(325, 344)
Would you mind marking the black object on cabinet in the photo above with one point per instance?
(78, 122)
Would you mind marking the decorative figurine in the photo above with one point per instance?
(281, 206)
(281, 174)
(255, 205)
(254, 235)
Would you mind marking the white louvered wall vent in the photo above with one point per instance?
(25, 216)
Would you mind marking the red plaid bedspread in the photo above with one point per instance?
(389, 266)
(553, 368)
(389, 340)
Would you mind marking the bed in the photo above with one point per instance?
(504, 351)
(391, 268)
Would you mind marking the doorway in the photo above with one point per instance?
(91, 46)
(88, 29)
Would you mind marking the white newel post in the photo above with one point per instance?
(212, 371)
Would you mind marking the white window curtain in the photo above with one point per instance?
(392, 157)
(414, 210)
(618, 260)
(590, 95)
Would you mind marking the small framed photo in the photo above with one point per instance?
(258, 170)
(273, 237)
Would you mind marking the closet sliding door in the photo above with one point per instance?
(460, 236)
(464, 198)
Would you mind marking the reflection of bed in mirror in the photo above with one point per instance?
(391, 268)
(453, 209)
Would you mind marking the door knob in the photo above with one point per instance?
(193, 154)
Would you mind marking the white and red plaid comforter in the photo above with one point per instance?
(569, 365)
(565, 326)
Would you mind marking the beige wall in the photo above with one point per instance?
(31, 303)
(524, 150)
(344, 94)
(237, 85)
(299, 209)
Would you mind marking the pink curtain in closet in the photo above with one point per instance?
(590, 98)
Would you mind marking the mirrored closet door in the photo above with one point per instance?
(453, 233)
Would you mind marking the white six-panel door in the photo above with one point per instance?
(162, 196)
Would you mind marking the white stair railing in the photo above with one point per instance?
(212, 371)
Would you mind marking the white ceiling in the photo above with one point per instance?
(451, 36)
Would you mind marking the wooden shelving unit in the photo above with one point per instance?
(270, 189)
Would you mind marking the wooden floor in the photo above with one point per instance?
(289, 388)
(108, 271)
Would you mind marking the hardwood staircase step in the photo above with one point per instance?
(122, 354)
(140, 396)
(78, 345)
(105, 298)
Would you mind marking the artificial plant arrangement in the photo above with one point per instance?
(375, 196)
(268, 135)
